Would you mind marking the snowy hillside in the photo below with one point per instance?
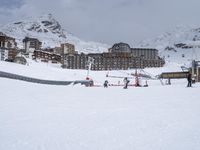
(50, 32)
(180, 45)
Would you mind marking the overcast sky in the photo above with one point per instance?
(108, 21)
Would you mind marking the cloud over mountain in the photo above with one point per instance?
(109, 21)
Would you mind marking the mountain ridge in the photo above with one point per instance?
(181, 44)
(49, 31)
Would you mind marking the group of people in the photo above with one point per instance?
(126, 82)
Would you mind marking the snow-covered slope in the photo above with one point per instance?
(180, 45)
(41, 117)
(50, 32)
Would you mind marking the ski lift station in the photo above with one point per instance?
(194, 70)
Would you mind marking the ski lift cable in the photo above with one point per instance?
(147, 73)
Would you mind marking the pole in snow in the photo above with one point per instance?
(136, 79)
(90, 62)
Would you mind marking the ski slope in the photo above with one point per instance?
(41, 117)
(48, 117)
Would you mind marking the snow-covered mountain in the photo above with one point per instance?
(181, 44)
(49, 31)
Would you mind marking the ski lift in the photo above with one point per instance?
(90, 62)
(135, 75)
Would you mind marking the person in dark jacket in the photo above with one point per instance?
(126, 82)
(105, 85)
(189, 78)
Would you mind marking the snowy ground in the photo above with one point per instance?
(40, 117)
(46, 117)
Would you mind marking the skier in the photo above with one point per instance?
(146, 85)
(126, 81)
(105, 85)
(189, 78)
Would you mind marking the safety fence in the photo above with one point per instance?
(41, 81)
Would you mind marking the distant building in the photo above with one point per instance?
(46, 56)
(8, 46)
(119, 57)
(58, 50)
(120, 48)
(8, 54)
(7, 42)
(68, 48)
(145, 53)
(3, 54)
(75, 61)
(31, 44)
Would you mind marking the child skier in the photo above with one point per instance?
(105, 85)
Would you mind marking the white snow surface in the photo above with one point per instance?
(43, 117)
(47, 117)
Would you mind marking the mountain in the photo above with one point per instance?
(181, 44)
(49, 31)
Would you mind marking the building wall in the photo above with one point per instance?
(46, 56)
(58, 50)
(2, 54)
(109, 61)
(7, 54)
(145, 53)
(75, 61)
(120, 48)
(31, 44)
(68, 48)
(12, 54)
(7, 42)
(26, 46)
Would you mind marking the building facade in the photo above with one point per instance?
(68, 48)
(120, 57)
(69, 55)
(31, 44)
(46, 56)
(75, 61)
(8, 46)
(146, 53)
(7, 42)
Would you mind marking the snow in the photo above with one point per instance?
(48, 117)
(41, 117)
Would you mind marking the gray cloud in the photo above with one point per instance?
(110, 21)
(10, 3)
